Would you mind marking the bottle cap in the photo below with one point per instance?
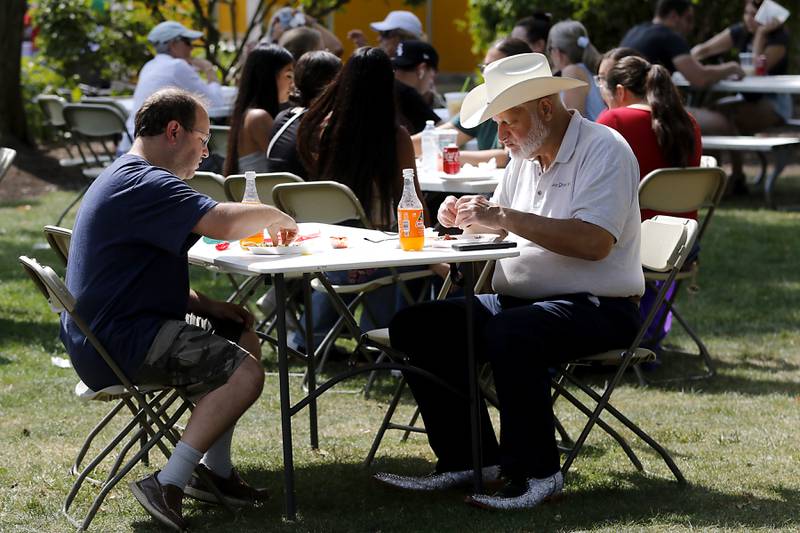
(408, 173)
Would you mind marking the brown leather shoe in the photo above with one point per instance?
(163, 502)
(236, 490)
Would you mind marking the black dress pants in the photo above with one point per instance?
(522, 340)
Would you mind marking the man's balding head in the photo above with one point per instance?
(164, 106)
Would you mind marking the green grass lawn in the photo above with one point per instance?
(735, 436)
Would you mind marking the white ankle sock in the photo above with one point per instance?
(218, 457)
(180, 466)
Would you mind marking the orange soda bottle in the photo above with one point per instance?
(410, 215)
(251, 197)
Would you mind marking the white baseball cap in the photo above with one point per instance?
(169, 30)
(399, 20)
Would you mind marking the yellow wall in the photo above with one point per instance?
(452, 44)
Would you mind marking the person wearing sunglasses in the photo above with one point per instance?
(173, 66)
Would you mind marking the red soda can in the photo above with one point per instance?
(761, 65)
(450, 162)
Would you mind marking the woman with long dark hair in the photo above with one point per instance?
(266, 83)
(644, 106)
(350, 134)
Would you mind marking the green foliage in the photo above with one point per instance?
(38, 78)
(95, 44)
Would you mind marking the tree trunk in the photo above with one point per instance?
(13, 127)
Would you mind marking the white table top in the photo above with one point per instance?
(440, 182)
(322, 257)
(789, 84)
(759, 144)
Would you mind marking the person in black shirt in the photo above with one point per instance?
(313, 72)
(663, 41)
(415, 66)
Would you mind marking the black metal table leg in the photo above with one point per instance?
(286, 417)
(311, 362)
(474, 394)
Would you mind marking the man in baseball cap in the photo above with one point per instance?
(569, 200)
(173, 66)
(398, 26)
(415, 64)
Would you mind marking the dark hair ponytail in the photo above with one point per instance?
(670, 122)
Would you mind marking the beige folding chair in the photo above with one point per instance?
(7, 156)
(210, 184)
(59, 238)
(109, 101)
(52, 107)
(218, 143)
(666, 243)
(682, 190)
(94, 125)
(330, 202)
(155, 410)
(265, 183)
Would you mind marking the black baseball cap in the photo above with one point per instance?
(412, 53)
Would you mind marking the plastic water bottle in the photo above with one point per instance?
(410, 215)
(430, 148)
(251, 197)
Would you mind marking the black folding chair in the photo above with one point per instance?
(155, 410)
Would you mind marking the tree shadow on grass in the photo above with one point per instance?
(344, 497)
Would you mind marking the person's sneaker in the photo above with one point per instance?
(236, 490)
(436, 480)
(520, 495)
(163, 502)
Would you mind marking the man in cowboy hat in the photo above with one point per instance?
(569, 201)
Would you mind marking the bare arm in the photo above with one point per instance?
(257, 129)
(231, 221)
(699, 75)
(721, 42)
(474, 157)
(569, 237)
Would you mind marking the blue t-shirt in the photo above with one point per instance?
(128, 265)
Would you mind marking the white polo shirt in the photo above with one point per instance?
(167, 71)
(594, 178)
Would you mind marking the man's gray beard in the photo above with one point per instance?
(536, 137)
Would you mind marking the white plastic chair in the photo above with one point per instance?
(7, 156)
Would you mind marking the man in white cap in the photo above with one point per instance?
(173, 66)
(569, 201)
(398, 26)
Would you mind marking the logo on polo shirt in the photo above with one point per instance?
(560, 185)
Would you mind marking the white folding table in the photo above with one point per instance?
(321, 257)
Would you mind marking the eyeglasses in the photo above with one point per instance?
(185, 40)
(386, 34)
(205, 137)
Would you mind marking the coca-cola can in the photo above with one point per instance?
(761, 65)
(450, 162)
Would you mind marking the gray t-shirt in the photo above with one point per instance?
(594, 178)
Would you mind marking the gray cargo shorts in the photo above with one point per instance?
(196, 354)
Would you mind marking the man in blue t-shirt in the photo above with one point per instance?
(128, 271)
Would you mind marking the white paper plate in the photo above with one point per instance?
(441, 242)
(463, 176)
(276, 250)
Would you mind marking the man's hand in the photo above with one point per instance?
(479, 211)
(447, 212)
(230, 311)
(204, 66)
(357, 36)
(284, 230)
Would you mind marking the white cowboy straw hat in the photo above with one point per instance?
(512, 81)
